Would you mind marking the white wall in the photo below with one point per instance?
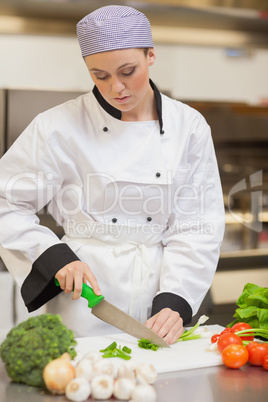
(188, 72)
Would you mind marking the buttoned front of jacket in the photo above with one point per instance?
(143, 209)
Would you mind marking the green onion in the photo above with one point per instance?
(126, 350)
(110, 347)
(188, 333)
(114, 351)
(147, 344)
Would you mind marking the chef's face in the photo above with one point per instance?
(122, 77)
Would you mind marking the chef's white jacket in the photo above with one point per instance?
(140, 202)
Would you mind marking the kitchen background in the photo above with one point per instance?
(212, 55)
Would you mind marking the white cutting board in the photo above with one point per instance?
(180, 356)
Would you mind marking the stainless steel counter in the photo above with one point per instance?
(211, 384)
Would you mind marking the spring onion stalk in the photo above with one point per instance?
(147, 344)
(188, 334)
(257, 332)
(114, 351)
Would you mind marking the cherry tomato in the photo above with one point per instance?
(240, 326)
(251, 344)
(257, 354)
(215, 338)
(228, 338)
(227, 329)
(234, 356)
(265, 362)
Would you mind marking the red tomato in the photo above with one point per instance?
(228, 338)
(227, 329)
(234, 356)
(215, 338)
(240, 326)
(251, 344)
(265, 362)
(257, 353)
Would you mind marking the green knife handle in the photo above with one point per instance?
(87, 293)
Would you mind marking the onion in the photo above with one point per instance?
(58, 373)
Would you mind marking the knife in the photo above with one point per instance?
(114, 316)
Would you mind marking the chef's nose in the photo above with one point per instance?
(117, 85)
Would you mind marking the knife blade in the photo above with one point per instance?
(112, 315)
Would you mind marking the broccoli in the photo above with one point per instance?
(30, 345)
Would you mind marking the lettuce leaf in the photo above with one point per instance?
(252, 307)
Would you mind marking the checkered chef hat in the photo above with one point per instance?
(113, 28)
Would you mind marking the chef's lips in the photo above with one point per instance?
(114, 316)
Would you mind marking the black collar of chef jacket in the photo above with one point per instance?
(118, 115)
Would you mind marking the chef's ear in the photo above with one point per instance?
(151, 56)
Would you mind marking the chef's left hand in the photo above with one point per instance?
(168, 324)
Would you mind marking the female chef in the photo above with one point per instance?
(131, 176)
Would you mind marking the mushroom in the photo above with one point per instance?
(147, 372)
(84, 369)
(78, 390)
(143, 393)
(92, 356)
(102, 386)
(104, 367)
(123, 388)
(127, 370)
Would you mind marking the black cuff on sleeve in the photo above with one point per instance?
(39, 287)
(175, 303)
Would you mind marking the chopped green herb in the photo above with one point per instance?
(126, 350)
(110, 347)
(114, 351)
(147, 344)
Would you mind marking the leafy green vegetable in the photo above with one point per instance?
(30, 345)
(114, 351)
(147, 344)
(252, 307)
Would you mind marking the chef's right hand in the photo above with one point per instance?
(72, 276)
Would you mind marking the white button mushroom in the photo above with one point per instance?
(78, 390)
(93, 357)
(102, 386)
(143, 393)
(127, 370)
(123, 388)
(84, 369)
(104, 367)
(147, 372)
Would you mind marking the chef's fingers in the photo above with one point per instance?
(167, 323)
(72, 276)
(66, 275)
(150, 322)
(174, 333)
(93, 282)
(82, 272)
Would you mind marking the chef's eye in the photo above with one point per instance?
(102, 77)
(128, 71)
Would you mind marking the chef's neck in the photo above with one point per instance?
(144, 111)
